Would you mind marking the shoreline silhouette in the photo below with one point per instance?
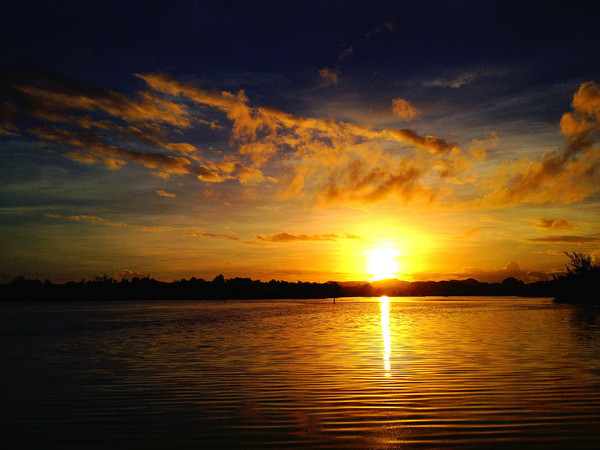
(576, 286)
(105, 288)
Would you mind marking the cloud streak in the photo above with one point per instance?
(565, 239)
(166, 194)
(553, 224)
(286, 237)
(95, 220)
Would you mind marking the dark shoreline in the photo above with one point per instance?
(562, 289)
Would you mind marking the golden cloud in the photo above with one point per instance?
(212, 235)
(325, 161)
(332, 162)
(567, 175)
(162, 193)
(403, 109)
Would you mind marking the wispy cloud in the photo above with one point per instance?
(7, 127)
(553, 224)
(328, 75)
(88, 219)
(461, 79)
(336, 162)
(566, 175)
(287, 237)
(95, 220)
(102, 126)
(323, 161)
(166, 194)
(565, 239)
(198, 233)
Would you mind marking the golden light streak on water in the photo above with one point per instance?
(385, 332)
(469, 373)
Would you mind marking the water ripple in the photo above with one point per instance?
(376, 374)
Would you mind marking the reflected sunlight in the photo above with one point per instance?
(385, 332)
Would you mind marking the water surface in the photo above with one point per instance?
(359, 373)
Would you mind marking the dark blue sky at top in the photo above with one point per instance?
(106, 42)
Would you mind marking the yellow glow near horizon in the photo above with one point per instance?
(382, 263)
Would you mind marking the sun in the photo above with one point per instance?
(382, 263)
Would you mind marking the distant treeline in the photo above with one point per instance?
(106, 288)
(580, 284)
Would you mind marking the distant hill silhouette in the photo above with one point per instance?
(104, 288)
(580, 284)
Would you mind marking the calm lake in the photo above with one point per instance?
(367, 373)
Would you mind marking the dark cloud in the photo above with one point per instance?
(553, 224)
(287, 237)
(7, 112)
(565, 239)
(512, 269)
(197, 233)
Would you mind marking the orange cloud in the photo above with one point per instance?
(147, 108)
(325, 161)
(212, 235)
(563, 176)
(553, 224)
(162, 193)
(403, 109)
(334, 162)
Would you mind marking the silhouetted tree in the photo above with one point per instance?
(581, 283)
(580, 264)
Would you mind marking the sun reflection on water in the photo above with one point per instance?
(385, 332)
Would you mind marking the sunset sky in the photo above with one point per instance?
(298, 140)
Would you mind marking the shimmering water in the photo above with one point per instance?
(359, 373)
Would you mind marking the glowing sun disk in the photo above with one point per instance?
(382, 263)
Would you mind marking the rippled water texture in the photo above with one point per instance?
(364, 373)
